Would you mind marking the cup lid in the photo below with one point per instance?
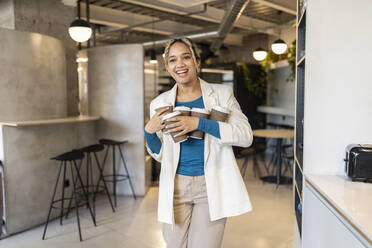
(170, 115)
(220, 109)
(182, 108)
(200, 110)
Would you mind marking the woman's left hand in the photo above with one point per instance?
(183, 124)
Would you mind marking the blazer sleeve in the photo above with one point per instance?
(237, 131)
(156, 156)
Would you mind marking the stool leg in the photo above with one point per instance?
(91, 183)
(244, 167)
(72, 193)
(63, 194)
(101, 177)
(87, 173)
(114, 174)
(84, 192)
(51, 203)
(75, 198)
(126, 169)
(104, 183)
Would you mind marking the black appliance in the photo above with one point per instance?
(358, 162)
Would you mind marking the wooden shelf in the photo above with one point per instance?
(299, 165)
(300, 61)
(298, 191)
(301, 18)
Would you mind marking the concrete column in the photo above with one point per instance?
(51, 17)
(116, 93)
(33, 76)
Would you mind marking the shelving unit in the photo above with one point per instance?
(299, 119)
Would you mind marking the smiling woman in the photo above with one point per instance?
(200, 183)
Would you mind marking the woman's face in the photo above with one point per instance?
(181, 65)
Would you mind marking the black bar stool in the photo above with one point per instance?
(68, 159)
(89, 186)
(114, 177)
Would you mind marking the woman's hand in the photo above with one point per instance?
(183, 124)
(156, 122)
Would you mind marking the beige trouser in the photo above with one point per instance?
(193, 228)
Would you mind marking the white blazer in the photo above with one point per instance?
(227, 194)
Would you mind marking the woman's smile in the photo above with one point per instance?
(181, 64)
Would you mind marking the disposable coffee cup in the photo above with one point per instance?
(219, 114)
(168, 122)
(169, 109)
(201, 113)
(185, 111)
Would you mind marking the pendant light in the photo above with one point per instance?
(259, 54)
(80, 30)
(153, 59)
(279, 46)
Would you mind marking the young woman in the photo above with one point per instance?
(200, 183)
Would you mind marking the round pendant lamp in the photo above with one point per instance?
(259, 54)
(80, 30)
(279, 46)
(153, 59)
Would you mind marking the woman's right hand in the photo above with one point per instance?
(156, 122)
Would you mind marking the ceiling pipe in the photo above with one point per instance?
(194, 36)
(231, 16)
(152, 22)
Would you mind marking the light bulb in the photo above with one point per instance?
(279, 46)
(153, 59)
(259, 54)
(80, 30)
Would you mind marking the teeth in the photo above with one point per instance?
(179, 72)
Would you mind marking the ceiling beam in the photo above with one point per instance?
(212, 14)
(121, 19)
(276, 6)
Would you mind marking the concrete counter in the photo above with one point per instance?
(81, 118)
(29, 174)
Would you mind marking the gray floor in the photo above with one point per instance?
(269, 225)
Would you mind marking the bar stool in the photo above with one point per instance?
(114, 176)
(68, 160)
(89, 186)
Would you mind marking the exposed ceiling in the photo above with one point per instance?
(138, 21)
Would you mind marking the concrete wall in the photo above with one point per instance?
(7, 14)
(52, 17)
(337, 83)
(116, 93)
(27, 153)
(33, 76)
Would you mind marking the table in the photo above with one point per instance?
(278, 134)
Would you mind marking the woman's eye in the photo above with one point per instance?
(187, 57)
(172, 60)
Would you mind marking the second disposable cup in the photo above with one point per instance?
(167, 121)
(219, 114)
(201, 113)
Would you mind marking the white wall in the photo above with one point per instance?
(338, 87)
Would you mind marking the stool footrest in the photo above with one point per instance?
(119, 177)
(60, 200)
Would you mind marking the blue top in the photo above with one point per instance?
(191, 162)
